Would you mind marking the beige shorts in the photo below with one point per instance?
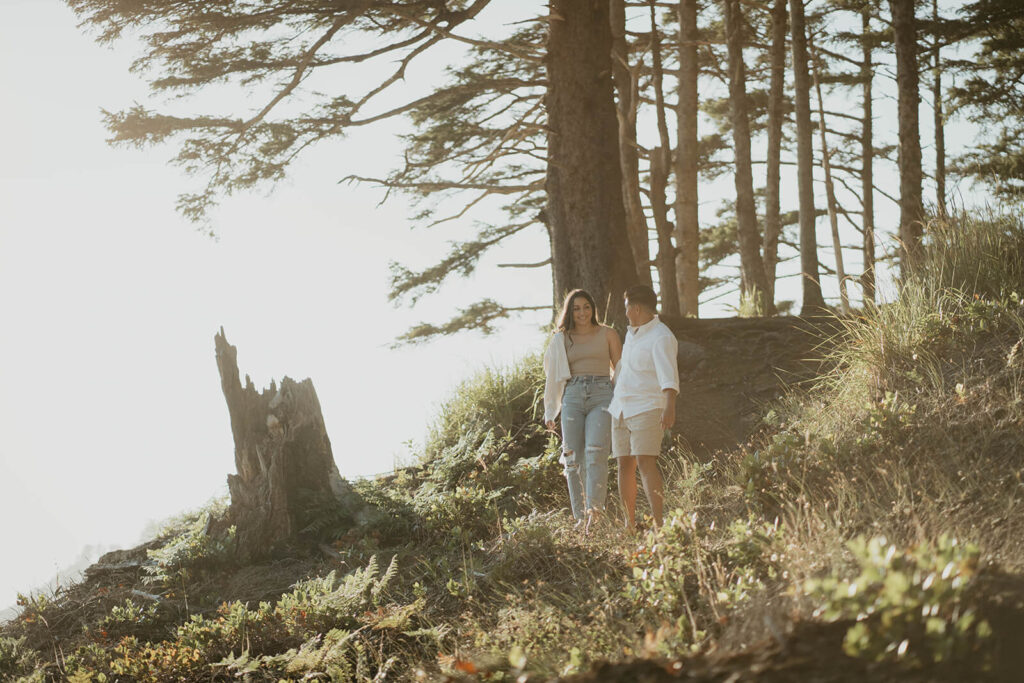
(637, 435)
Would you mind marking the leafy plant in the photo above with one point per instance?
(193, 547)
(16, 660)
(321, 603)
(909, 605)
(690, 576)
(498, 400)
(125, 619)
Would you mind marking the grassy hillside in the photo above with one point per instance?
(871, 531)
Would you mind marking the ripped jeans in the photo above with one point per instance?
(586, 441)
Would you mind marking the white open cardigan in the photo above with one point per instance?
(556, 374)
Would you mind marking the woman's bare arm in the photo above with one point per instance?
(614, 346)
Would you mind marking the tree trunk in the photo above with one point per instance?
(687, 224)
(813, 302)
(751, 265)
(907, 84)
(585, 214)
(940, 131)
(867, 151)
(661, 165)
(776, 90)
(666, 261)
(283, 457)
(626, 87)
(830, 191)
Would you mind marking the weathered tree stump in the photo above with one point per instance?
(282, 455)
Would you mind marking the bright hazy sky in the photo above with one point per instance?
(111, 413)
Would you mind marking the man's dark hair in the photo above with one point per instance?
(643, 295)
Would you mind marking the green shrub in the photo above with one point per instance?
(498, 400)
(325, 626)
(16, 660)
(338, 655)
(194, 549)
(319, 604)
(910, 605)
(126, 619)
(464, 512)
(178, 524)
(487, 455)
(690, 575)
(544, 639)
(760, 467)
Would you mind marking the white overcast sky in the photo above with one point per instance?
(111, 414)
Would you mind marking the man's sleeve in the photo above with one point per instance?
(666, 363)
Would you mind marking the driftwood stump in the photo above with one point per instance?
(282, 455)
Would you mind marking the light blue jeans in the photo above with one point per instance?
(586, 441)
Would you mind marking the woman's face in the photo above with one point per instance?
(582, 312)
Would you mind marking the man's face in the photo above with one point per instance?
(634, 313)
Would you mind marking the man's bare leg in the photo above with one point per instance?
(650, 475)
(627, 488)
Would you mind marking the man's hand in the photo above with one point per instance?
(550, 424)
(668, 415)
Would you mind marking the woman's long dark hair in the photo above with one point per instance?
(565, 320)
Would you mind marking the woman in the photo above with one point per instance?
(578, 365)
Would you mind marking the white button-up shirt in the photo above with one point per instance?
(648, 367)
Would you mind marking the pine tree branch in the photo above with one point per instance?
(465, 209)
(461, 260)
(471, 11)
(297, 77)
(398, 74)
(838, 55)
(517, 132)
(436, 186)
(538, 264)
(440, 94)
(479, 316)
(842, 181)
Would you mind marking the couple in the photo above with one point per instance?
(628, 420)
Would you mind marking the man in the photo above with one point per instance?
(644, 403)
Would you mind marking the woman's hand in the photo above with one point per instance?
(614, 348)
(550, 424)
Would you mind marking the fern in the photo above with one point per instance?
(381, 584)
(190, 549)
(330, 654)
(326, 602)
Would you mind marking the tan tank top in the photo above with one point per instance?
(589, 355)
